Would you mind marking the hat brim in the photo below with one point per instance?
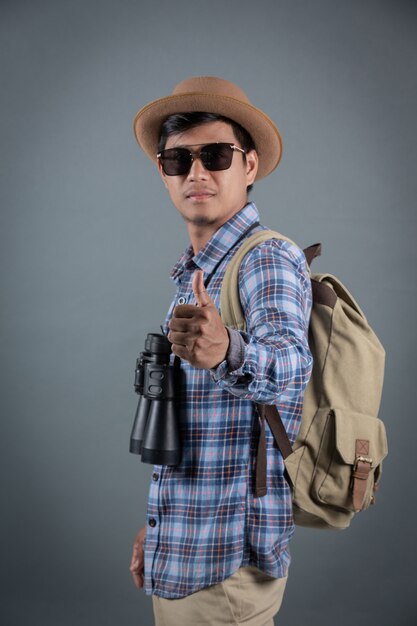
(149, 119)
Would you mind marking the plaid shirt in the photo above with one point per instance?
(203, 519)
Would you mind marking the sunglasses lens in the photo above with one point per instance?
(217, 156)
(214, 156)
(176, 161)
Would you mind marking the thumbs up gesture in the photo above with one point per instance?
(197, 333)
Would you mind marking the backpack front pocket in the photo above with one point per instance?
(349, 460)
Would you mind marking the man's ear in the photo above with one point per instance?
(252, 162)
(162, 173)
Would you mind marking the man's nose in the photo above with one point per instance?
(197, 170)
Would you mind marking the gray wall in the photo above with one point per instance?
(88, 237)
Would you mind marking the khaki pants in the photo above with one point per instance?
(248, 598)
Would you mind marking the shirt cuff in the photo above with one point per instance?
(235, 356)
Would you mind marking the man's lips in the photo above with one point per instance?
(197, 194)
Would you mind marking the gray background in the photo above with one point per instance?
(88, 237)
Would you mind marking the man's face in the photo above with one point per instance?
(206, 198)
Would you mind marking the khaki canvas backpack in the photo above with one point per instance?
(335, 465)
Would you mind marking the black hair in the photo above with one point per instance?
(180, 122)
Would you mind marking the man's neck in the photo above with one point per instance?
(199, 236)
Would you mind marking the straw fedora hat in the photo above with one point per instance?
(211, 95)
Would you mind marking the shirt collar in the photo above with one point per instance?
(219, 244)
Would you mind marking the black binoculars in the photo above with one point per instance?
(155, 433)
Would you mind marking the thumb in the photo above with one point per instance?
(201, 295)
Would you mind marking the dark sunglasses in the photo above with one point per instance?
(214, 156)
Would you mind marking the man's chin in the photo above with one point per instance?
(200, 220)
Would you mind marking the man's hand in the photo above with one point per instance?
(197, 333)
(137, 562)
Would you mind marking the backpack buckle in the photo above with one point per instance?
(359, 480)
(364, 459)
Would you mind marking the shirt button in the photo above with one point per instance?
(181, 300)
(155, 476)
(152, 522)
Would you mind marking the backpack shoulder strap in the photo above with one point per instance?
(340, 290)
(230, 307)
(232, 315)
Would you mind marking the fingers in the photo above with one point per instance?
(185, 310)
(137, 561)
(184, 353)
(199, 289)
(137, 571)
(183, 332)
(180, 339)
(137, 576)
(183, 325)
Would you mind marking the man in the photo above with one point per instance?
(215, 553)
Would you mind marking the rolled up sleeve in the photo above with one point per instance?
(272, 355)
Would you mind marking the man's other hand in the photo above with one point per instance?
(137, 562)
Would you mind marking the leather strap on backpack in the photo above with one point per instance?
(361, 469)
(311, 252)
(271, 414)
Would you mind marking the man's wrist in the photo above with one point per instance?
(235, 355)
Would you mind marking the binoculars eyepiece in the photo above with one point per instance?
(155, 433)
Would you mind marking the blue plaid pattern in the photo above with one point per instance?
(203, 520)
